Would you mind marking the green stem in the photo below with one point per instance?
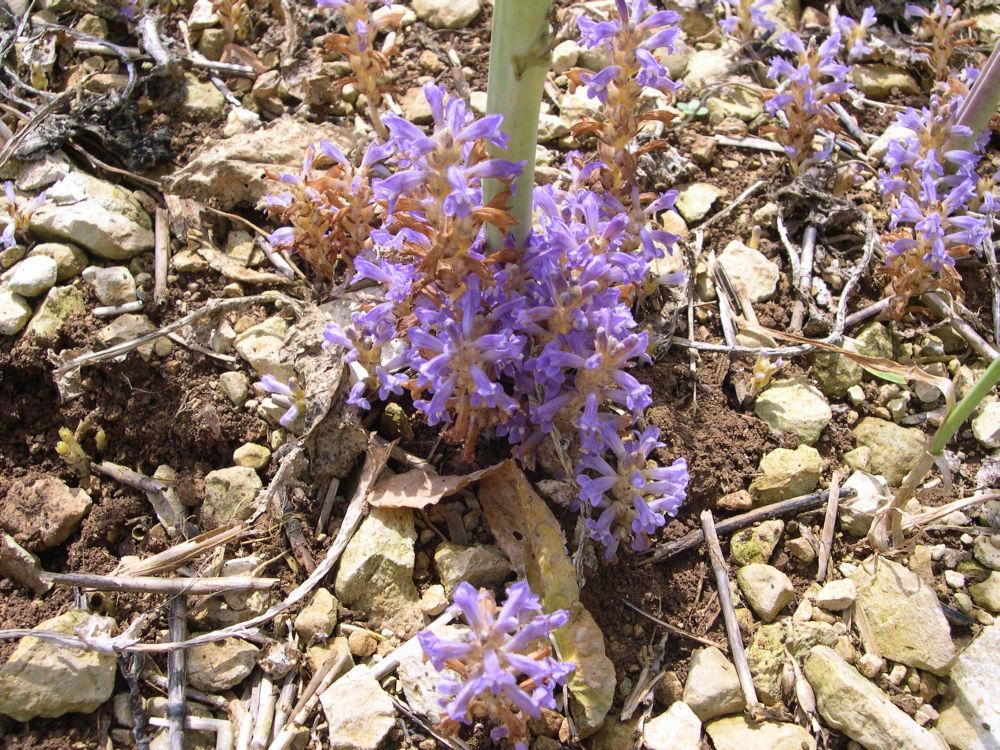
(963, 410)
(520, 51)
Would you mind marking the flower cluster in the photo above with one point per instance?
(934, 187)
(746, 20)
(289, 396)
(808, 85)
(369, 63)
(939, 27)
(18, 215)
(633, 40)
(502, 668)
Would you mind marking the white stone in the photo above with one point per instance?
(707, 66)
(694, 201)
(447, 14)
(767, 589)
(220, 665)
(794, 405)
(750, 271)
(32, 276)
(737, 733)
(713, 687)
(240, 120)
(317, 619)
(565, 56)
(678, 728)
(113, 285)
(15, 312)
(975, 713)
(985, 426)
(837, 595)
(871, 493)
(359, 712)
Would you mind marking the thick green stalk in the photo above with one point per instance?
(520, 51)
(964, 408)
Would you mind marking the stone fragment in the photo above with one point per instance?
(756, 544)
(767, 589)
(229, 496)
(59, 305)
(415, 106)
(70, 260)
(104, 219)
(220, 665)
(20, 566)
(736, 733)
(713, 687)
(31, 277)
(252, 456)
(785, 473)
(879, 81)
(751, 272)
(836, 373)
(904, 616)
(677, 728)
(837, 595)
(565, 56)
(434, 601)
(871, 492)
(260, 347)
(576, 106)
(707, 66)
(15, 312)
(738, 502)
(236, 386)
(42, 513)
(794, 405)
(972, 722)
(481, 565)
(128, 327)
(376, 570)
(447, 14)
(851, 704)
(894, 449)
(317, 619)
(985, 425)
(986, 550)
(359, 713)
(802, 550)
(202, 100)
(986, 594)
(113, 285)
(694, 201)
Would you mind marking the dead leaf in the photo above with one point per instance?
(418, 489)
(532, 539)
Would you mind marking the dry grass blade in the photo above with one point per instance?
(180, 554)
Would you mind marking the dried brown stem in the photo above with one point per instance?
(172, 586)
(176, 664)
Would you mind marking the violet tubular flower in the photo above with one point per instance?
(289, 396)
(502, 668)
(632, 495)
(747, 20)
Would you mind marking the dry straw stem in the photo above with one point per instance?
(172, 586)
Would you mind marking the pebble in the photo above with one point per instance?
(739, 501)
(229, 496)
(972, 720)
(986, 550)
(317, 619)
(713, 687)
(802, 550)
(678, 728)
(565, 56)
(794, 405)
(767, 589)
(361, 644)
(894, 449)
(481, 565)
(59, 305)
(15, 312)
(576, 106)
(837, 595)
(750, 270)
(784, 474)
(359, 713)
(447, 14)
(434, 601)
(32, 276)
(738, 733)
(986, 594)
(252, 456)
(707, 66)
(756, 545)
(986, 424)
(953, 579)
(879, 81)
(236, 386)
(694, 201)
(220, 665)
(871, 665)
(45, 514)
(113, 285)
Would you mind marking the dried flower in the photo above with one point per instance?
(502, 669)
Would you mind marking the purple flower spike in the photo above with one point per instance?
(501, 667)
(289, 396)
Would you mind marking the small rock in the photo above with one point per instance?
(837, 595)
(113, 285)
(376, 570)
(43, 679)
(128, 327)
(678, 728)
(713, 687)
(240, 120)
(871, 665)
(565, 56)
(481, 565)
(767, 589)
(189, 261)
(734, 101)
(836, 374)
(668, 689)
(986, 550)
(32, 276)
(229, 496)
(70, 260)
(59, 305)
(694, 201)
(880, 81)
(894, 449)
(784, 474)
(880, 146)
(802, 550)
(336, 649)
(739, 501)
(202, 100)
(203, 15)
(433, 601)
(986, 594)
(576, 105)
(851, 704)
(551, 128)
(750, 271)
(252, 456)
(220, 665)
(972, 722)
(100, 217)
(42, 513)
(447, 14)
(415, 106)
(904, 616)
(737, 733)
(236, 386)
(707, 66)
(431, 62)
(15, 312)
(359, 713)
(985, 426)
(755, 545)
(361, 644)
(875, 340)
(260, 347)
(794, 405)
(317, 619)
(871, 493)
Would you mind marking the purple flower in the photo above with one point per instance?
(632, 494)
(289, 396)
(501, 667)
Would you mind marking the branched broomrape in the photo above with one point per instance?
(502, 669)
(18, 216)
(746, 20)
(939, 27)
(941, 206)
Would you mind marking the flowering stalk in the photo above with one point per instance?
(519, 58)
(746, 20)
(502, 668)
(939, 27)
